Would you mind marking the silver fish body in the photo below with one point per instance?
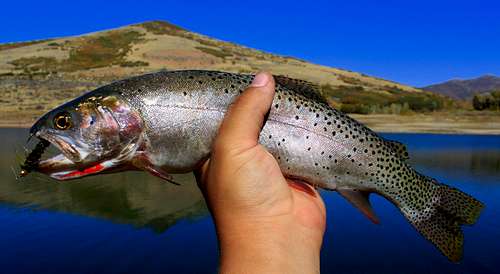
(167, 121)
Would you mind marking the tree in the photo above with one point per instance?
(489, 101)
(477, 103)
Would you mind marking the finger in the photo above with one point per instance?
(302, 187)
(242, 124)
(200, 174)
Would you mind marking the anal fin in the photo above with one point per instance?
(360, 200)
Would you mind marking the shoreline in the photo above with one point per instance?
(436, 123)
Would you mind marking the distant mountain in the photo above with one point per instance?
(465, 89)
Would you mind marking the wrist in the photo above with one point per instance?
(260, 246)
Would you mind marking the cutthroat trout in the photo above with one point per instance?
(165, 123)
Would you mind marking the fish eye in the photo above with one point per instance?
(62, 121)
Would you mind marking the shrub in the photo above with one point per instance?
(355, 108)
(102, 51)
(31, 65)
(162, 27)
(359, 99)
(134, 64)
(421, 102)
(489, 101)
(215, 52)
(21, 44)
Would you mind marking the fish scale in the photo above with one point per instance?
(166, 122)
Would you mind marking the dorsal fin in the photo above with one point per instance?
(360, 200)
(302, 87)
(399, 148)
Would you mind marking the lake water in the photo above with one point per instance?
(134, 223)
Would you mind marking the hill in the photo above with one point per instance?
(465, 89)
(37, 75)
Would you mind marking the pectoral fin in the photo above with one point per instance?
(141, 161)
(158, 172)
(360, 200)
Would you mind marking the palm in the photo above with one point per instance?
(263, 191)
(309, 210)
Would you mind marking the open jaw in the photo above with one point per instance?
(65, 165)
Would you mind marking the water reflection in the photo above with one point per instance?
(143, 200)
(352, 244)
(131, 197)
(483, 163)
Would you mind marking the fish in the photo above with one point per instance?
(165, 123)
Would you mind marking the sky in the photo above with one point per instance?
(412, 42)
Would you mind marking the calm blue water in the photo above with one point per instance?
(134, 223)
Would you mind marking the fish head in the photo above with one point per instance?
(93, 133)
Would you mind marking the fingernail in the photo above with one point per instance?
(259, 80)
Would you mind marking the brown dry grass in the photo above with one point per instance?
(469, 122)
(36, 76)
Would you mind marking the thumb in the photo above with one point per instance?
(242, 123)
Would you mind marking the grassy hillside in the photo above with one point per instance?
(35, 76)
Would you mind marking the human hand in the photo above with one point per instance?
(265, 223)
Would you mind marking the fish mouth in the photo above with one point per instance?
(66, 165)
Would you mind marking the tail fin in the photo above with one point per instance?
(440, 217)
